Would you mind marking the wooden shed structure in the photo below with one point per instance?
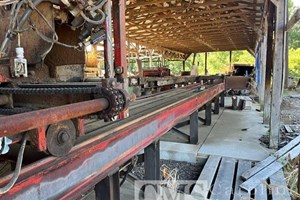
(180, 27)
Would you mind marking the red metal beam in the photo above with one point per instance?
(118, 7)
(89, 162)
(14, 124)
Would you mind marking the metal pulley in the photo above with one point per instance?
(61, 137)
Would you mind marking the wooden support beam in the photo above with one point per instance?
(230, 60)
(205, 64)
(269, 65)
(294, 19)
(286, 50)
(194, 58)
(277, 82)
(263, 61)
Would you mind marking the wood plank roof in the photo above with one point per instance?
(191, 26)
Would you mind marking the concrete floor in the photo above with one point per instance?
(232, 134)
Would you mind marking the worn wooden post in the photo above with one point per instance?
(194, 58)
(298, 175)
(230, 60)
(263, 64)
(183, 65)
(269, 66)
(286, 49)
(277, 82)
(205, 64)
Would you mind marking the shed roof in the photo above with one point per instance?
(191, 26)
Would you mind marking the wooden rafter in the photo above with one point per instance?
(195, 26)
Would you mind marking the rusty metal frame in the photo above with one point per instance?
(88, 163)
(15, 124)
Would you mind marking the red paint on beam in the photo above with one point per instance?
(53, 168)
(14, 124)
(41, 138)
(118, 6)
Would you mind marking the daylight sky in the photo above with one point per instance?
(297, 3)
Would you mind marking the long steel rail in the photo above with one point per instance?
(104, 149)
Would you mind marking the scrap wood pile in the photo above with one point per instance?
(291, 171)
(287, 134)
(271, 165)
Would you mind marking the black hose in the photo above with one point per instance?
(29, 10)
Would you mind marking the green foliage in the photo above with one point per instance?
(294, 34)
(217, 62)
(294, 62)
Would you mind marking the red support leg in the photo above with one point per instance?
(119, 39)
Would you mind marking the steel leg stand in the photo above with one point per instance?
(108, 188)
(194, 128)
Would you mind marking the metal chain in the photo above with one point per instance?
(67, 90)
(114, 96)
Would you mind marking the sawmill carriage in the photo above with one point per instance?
(42, 57)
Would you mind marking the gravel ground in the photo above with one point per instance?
(186, 171)
(290, 109)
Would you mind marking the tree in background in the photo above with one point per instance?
(294, 44)
(217, 62)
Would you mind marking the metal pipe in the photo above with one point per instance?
(14, 124)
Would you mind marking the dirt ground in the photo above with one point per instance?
(290, 108)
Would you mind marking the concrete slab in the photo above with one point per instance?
(178, 151)
(236, 135)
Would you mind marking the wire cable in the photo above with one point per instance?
(18, 167)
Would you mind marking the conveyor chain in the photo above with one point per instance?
(13, 111)
(52, 90)
(118, 99)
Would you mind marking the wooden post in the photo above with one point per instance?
(183, 65)
(230, 60)
(269, 66)
(263, 65)
(194, 58)
(139, 61)
(286, 49)
(150, 58)
(205, 64)
(298, 175)
(277, 82)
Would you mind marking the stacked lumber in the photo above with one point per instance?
(272, 164)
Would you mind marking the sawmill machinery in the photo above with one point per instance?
(42, 90)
